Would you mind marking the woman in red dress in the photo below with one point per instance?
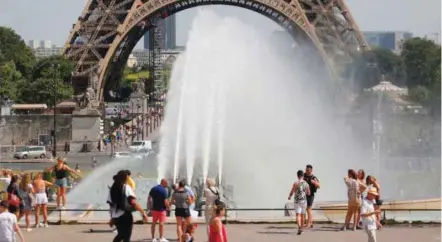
(217, 231)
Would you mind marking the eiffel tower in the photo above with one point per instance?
(107, 31)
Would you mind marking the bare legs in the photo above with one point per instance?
(61, 196)
(44, 209)
(309, 217)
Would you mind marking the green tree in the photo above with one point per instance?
(422, 60)
(9, 77)
(42, 91)
(390, 65)
(50, 75)
(13, 48)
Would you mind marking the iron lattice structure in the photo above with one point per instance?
(108, 30)
(157, 42)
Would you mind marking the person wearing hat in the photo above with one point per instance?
(8, 224)
(368, 214)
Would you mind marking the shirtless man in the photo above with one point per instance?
(41, 199)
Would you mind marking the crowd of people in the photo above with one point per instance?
(364, 203)
(123, 202)
(25, 192)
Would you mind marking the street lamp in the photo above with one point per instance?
(138, 118)
(54, 136)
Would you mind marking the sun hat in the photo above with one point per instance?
(373, 191)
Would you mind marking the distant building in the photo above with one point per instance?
(142, 56)
(132, 61)
(169, 30)
(44, 48)
(46, 52)
(390, 40)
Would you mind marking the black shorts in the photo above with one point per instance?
(182, 212)
(310, 200)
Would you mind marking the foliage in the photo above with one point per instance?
(419, 94)
(391, 65)
(13, 48)
(25, 80)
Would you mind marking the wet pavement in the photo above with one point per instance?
(239, 233)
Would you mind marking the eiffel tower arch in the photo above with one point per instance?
(108, 30)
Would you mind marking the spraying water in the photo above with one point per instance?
(270, 121)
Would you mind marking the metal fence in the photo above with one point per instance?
(340, 211)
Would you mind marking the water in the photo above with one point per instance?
(253, 116)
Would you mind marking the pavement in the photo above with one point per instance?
(239, 233)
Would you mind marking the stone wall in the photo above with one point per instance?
(22, 129)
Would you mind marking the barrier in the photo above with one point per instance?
(388, 215)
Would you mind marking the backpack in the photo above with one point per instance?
(218, 201)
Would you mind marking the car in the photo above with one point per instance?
(144, 146)
(31, 152)
(125, 154)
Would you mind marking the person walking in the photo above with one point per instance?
(373, 183)
(14, 199)
(8, 225)
(158, 204)
(61, 180)
(368, 215)
(182, 201)
(314, 184)
(301, 190)
(217, 229)
(122, 202)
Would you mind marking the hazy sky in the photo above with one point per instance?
(53, 19)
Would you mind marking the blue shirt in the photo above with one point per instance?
(189, 191)
(158, 194)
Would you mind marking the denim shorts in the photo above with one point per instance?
(61, 182)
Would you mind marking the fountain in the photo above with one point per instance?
(246, 113)
(252, 116)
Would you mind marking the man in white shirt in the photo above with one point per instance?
(368, 214)
(8, 225)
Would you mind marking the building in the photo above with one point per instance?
(169, 30)
(390, 40)
(142, 56)
(46, 52)
(132, 61)
(44, 48)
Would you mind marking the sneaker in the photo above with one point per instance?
(37, 226)
(164, 240)
(28, 230)
(46, 225)
(155, 240)
(299, 232)
(344, 228)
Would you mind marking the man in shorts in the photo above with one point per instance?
(301, 190)
(158, 204)
(313, 182)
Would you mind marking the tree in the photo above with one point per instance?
(13, 48)
(9, 77)
(53, 66)
(42, 91)
(422, 60)
(390, 65)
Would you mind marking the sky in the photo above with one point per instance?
(53, 19)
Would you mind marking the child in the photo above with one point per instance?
(188, 234)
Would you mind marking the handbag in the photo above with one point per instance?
(218, 201)
(13, 200)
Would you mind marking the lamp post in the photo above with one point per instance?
(54, 136)
(143, 122)
(138, 118)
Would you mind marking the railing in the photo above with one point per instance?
(287, 218)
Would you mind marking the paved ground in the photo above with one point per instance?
(240, 233)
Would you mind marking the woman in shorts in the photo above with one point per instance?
(182, 201)
(41, 199)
